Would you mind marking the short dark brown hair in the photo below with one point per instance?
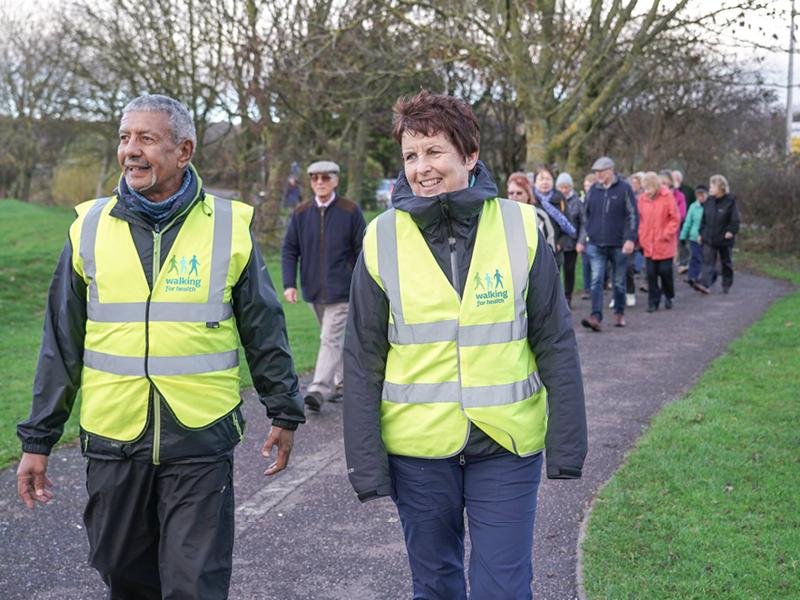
(430, 114)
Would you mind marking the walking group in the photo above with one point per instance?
(647, 222)
(445, 331)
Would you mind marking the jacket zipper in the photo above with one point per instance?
(157, 233)
(451, 240)
(238, 427)
(156, 395)
(322, 269)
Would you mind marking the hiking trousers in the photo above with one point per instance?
(710, 254)
(332, 319)
(499, 494)
(161, 531)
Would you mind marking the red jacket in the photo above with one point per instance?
(658, 224)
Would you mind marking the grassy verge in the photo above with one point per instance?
(706, 505)
(32, 238)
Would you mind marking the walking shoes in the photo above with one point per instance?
(592, 323)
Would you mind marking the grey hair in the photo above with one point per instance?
(721, 182)
(180, 121)
(651, 182)
(638, 175)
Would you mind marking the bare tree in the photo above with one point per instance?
(36, 87)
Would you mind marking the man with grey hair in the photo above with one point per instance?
(608, 233)
(154, 289)
(324, 237)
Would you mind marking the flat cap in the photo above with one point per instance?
(323, 166)
(603, 163)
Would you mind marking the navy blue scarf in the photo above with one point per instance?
(160, 212)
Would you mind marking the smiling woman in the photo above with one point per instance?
(445, 400)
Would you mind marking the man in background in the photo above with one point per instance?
(324, 236)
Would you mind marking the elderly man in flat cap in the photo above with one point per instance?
(324, 235)
(608, 233)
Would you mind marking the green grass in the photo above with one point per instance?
(708, 503)
(32, 238)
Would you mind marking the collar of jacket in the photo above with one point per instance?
(461, 206)
(123, 208)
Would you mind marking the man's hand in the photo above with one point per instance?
(579, 248)
(627, 247)
(284, 438)
(291, 295)
(32, 481)
(699, 239)
(728, 235)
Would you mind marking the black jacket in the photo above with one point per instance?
(326, 242)
(261, 326)
(720, 216)
(575, 216)
(610, 214)
(550, 335)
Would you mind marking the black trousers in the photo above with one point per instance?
(161, 531)
(570, 258)
(710, 254)
(659, 270)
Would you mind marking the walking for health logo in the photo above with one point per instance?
(183, 281)
(494, 291)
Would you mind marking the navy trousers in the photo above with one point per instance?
(499, 495)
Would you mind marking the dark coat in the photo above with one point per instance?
(610, 215)
(550, 335)
(720, 215)
(261, 326)
(575, 216)
(326, 243)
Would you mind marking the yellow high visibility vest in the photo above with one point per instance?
(454, 361)
(180, 337)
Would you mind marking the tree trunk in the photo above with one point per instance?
(535, 142)
(356, 161)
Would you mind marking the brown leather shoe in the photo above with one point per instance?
(619, 320)
(701, 288)
(592, 323)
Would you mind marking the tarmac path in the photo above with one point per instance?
(304, 536)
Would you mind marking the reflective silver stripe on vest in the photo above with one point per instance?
(401, 332)
(496, 395)
(518, 253)
(160, 365)
(423, 333)
(220, 251)
(189, 312)
(388, 269)
(471, 397)
(88, 239)
(134, 312)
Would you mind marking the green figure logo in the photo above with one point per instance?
(488, 279)
(498, 280)
(478, 282)
(194, 262)
(173, 265)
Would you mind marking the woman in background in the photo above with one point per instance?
(658, 232)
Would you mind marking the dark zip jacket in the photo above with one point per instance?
(326, 242)
(261, 326)
(454, 216)
(610, 214)
(720, 216)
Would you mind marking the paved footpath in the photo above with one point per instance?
(304, 535)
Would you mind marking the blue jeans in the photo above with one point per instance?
(695, 262)
(587, 272)
(598, 257)
(499, 494)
